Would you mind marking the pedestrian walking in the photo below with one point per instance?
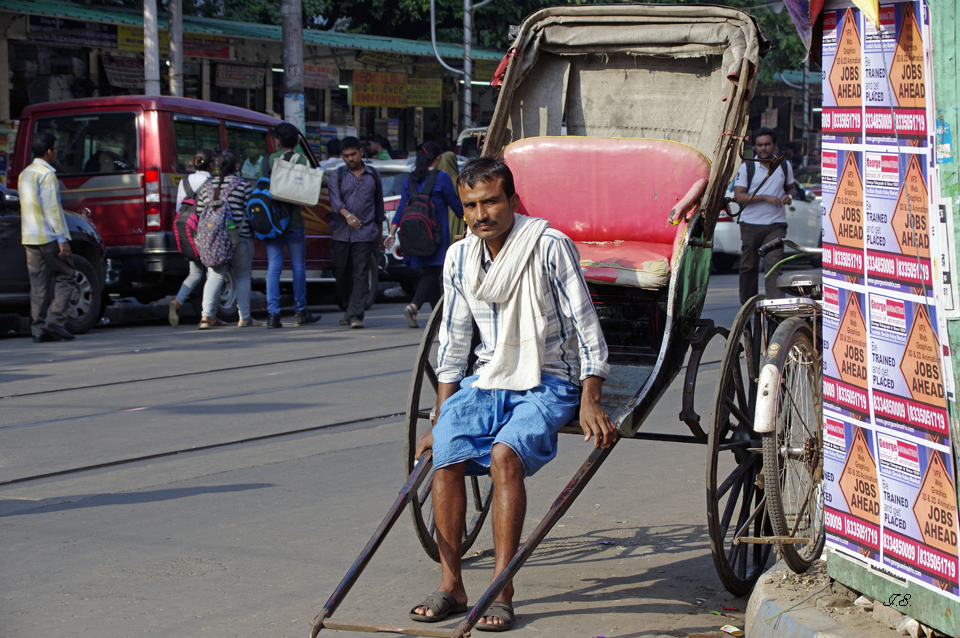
(443, 195)
(46, 239)
(202, 165)
(356, 223)
(294, 239)
(764, 218)
(229, 184)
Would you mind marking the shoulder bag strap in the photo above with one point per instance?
(188, 191)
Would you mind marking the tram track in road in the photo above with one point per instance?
(218, 445)
(208, 371)
(198, 448)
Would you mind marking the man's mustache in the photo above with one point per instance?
(488, 222)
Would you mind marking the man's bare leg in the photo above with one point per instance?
(508, 508)
(449, 511)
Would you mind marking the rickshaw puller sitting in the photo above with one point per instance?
(540, 341)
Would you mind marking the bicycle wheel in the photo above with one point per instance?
(790, 395)
(733, 459)
(422, 398)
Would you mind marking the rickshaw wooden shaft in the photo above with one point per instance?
(408, 491)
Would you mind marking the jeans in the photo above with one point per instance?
(196, 274)
(351, 264)
(429, 287)
(52, 282)
(295, 239)
(240, 266)
(752, 237)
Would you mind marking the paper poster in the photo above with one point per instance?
(240, 77)
(919, 512)
(890, 489)
(851, 488)
(424, 92)
(125, 73)
(898, 234)
(843, 210)
(845, 367)
(319, 76)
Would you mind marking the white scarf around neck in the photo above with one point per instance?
(514, 283)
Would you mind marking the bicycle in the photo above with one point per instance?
(789, 412)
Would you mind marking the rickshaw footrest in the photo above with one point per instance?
(382, 628)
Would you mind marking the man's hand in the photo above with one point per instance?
(594, 421)
(64, 250)
(424, 443)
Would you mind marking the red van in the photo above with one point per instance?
(120, 161)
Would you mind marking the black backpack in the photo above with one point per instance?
(185, 226)
(268, 218)
(420, 234)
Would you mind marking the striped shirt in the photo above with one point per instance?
(574, 347)
(41, 213)
(237, 200)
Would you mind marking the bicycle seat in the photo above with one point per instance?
(804, 283)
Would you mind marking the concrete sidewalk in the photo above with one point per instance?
(812, 605)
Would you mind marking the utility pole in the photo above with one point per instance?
(293, 100)
(175, 20)
(467, 63)
(151, 49)
(806, 111)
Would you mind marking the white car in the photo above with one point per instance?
(804, 218)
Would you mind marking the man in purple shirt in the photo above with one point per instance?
(356, 228)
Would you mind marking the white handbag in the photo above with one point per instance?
(295, 183)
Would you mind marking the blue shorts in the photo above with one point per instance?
(473, 420)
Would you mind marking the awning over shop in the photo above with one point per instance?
(213, 26)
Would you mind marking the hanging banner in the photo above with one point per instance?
(424, 92)
(373, 88)
(124, 73)
(318, 76)
(240, 77)
(889, 482)
(216, 47)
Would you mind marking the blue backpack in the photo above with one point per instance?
(268, 219)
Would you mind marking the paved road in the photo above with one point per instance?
(249, 539)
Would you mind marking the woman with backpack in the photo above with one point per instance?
(234, 191)
(189, 185)
(442, 194)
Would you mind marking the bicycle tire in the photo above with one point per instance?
(793, 448)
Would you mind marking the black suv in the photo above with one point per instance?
(88, 303)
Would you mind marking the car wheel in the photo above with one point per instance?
(227, 298)
(85, 302)
(725, 262)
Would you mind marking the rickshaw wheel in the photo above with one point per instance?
(421, 400)
(733, 493)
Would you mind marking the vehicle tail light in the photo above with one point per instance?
(152, 193)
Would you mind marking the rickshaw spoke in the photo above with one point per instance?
(728, 510)
(477, 498)
(738, 413)
(738, 383)
(749, 488)
(431, 375)
(427, 489)
(431, 523)
(736, 475)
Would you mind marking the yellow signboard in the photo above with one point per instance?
(424, 92)
(131, 39)
(372, 88)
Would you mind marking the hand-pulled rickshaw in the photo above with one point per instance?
(618, 122)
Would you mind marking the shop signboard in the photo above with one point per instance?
(75, 32)
(424, 92)
(382, 59)
(890, 487)
(374, 88)
(321, 76)
(237, 76)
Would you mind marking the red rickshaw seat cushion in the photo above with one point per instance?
(612, 197)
